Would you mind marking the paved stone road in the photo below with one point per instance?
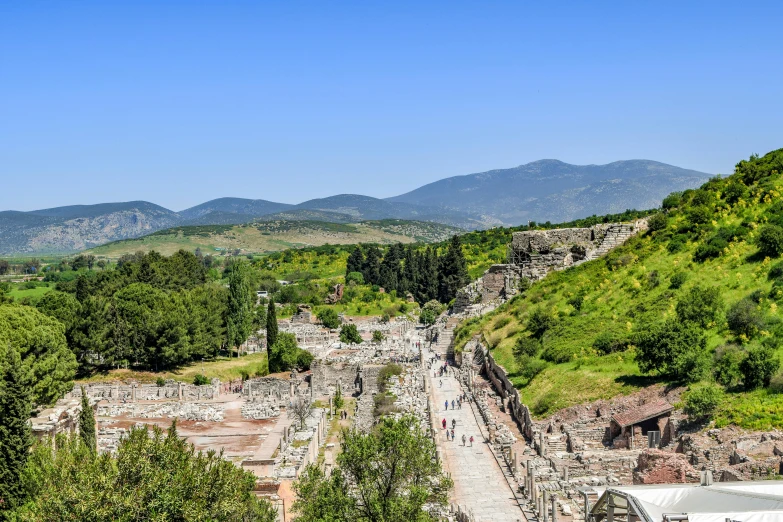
(479, 483)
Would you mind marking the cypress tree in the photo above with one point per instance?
(372, 266)
(87, 424)
(453, 273)
(271, 328)
(239, 321)
(15, 435)
(355, 261)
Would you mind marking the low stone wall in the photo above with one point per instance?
(172, 390)
(267, 387)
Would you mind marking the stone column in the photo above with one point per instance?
(179, 391)
(565, 473)
(516, 463)
(545, 506)
(133, 392)
(610, 509)
(554, 508)
(541, 444)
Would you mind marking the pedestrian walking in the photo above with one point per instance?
(452, 405)
(444, 423)
(453, 423)
(459, 405)
(471, 441)
(452, 434)
(447, 405)
(447, 435)
(463, 439)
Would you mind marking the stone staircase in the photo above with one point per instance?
(444, 343)
(556, 443)
(615, 236)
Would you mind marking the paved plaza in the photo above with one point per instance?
(480, 485)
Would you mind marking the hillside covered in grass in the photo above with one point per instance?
(692, 301)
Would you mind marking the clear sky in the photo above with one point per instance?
(181, 102)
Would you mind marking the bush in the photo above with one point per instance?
(384, 404)
(776, 272)
(744, 318)
(160, 382)
(355, 278)
(653, 279)
(528, 346)
(528, 367)
(540, 321)
(657, 221)
(770, 240)
(349, 334)
(577, 301)
(303, 359)
(673, 200)
(677, 280)
(329, 318)
(699, 215)
(711, 249)
(701, 305)
(388, 371)
(758, 367)
(377, 336)
(776, 383)
(545, 403)
(701, 401)
(734, 191)
(727, 365)
(610, 342)
(200, 380)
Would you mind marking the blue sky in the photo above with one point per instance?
(181, 102)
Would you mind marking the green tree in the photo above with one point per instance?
(284, 354)
(701, 305)
(338, 401)
(758, 367)
(355, 261)
(453, 273)
(349, 334)
(153, 477)
(745, 318)
(329, 318)
(430, 312)
(539, 321)
(392, 472)
(241, 300)
(377, 336)
(673, 349)
(40, 342)
(87, 424)
(15, 436)
(271, 325)
(770, 240)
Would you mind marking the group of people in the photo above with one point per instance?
(450, 433)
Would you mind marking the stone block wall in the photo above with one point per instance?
(148, 392)
(325, 376)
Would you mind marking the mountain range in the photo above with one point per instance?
(545, 190)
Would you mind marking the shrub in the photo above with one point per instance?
(528, 346)
(200, 380)
(539, 321)
(734, 191)
(160, 382)
(701, 305)
(727, 365)
(776, 271)
(711, 249)
(699, 215)
(354, 278)
(377, 336)
(329, 318)
(744, 318)
(673, 200)
(677, 280)
(528, 367)
(384, 404)
(701, 401)
(657, 221)
(653, 279)
(758, 367)
(577, 301)
(303, 359)
(770, 240)
(545, 403)
(388, 371)
(776, 383)
(349, 334)
(610, 342)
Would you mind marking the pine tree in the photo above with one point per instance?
(271, 331)
(355, 261)
(428, 277)
(87, 424)
(15, 436)
(408, 281)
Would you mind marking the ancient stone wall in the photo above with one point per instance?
(275, 390)
(148, 392)
(325, 376)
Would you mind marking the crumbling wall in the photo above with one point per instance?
(273, 389)
(172, 390)
(325, 375)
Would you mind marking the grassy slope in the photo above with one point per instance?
(223, 368)
(616, 297)
(266, 237)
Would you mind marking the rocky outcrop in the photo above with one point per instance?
(663, 467)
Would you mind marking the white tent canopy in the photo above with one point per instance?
(741, 501)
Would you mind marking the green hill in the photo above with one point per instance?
(706, 272)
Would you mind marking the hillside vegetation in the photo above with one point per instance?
(693, 299)
(273, 236)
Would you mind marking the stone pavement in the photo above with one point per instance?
(480, 485)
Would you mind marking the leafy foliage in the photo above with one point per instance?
(758, 367)
(15, 436)
(392, 471)
(329, 318)
(702, 401)
(349, 334)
